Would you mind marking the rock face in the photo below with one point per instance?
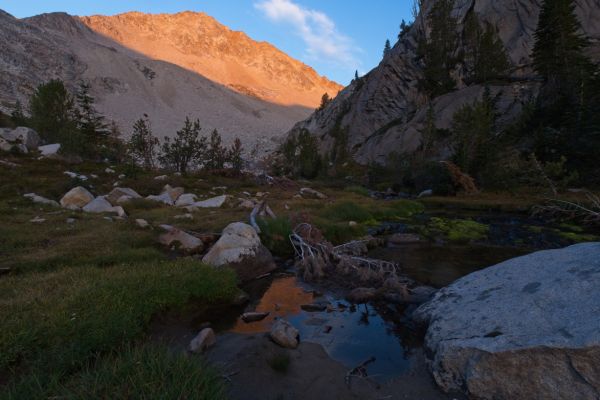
(527, 328)
(26, 136)
(76, 198)
(174, 65)
(384, 111)
(240, 248)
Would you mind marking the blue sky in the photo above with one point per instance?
(336, 37)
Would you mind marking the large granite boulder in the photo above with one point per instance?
(76, 198)
(21, 135)
(117, 193)
(528, 328)
(241, 248)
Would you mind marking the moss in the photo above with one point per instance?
(457, 230)
(577, 237)
(535, 229)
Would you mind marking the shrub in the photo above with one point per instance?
(275, 234)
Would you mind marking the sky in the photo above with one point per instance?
(336, 37)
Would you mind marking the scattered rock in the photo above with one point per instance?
(21, 135)
(122, 176)
(352, 223)
(70, 220)
(37, 220)
(98, 205)
(186, 199)
(41, 200)
(403, 238)
(308, 192)
(361, 295)
(173, 192)
(49, 150)
(184, 216)
(215, 202)
(161, 178)
(76, 198)
(109, 171)
(524, 329)
(75, 175)
(181, 240)
(254, 316)
(117, 193)
(240, 248)
(164, 198)
(205, 339)
(284, 334)
(245, 203)
(142, 223)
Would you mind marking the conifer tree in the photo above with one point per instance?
(325, 100)
(186, 150)
(387, 48)
(437, 52)
(235, 155)
(142, 145)
(558, 53)
(485, 55)
(52, 110)
(216, 154)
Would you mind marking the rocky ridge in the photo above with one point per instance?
(168, 79)
(385, 110)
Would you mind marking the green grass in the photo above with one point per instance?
(275, 234)
(360, 190)
(54, 323)
(347, 211)
(145, 372)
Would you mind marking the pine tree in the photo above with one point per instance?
(558, 53)
(52, 110)
(142, 145)
(485, 55)
(186, 150)
(437, 53)
(89, 121)
(325, 100)
(17, 115)
(356, 77)
(387, 48)
(235, 155)
(216, 154)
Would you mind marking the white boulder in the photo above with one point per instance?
(76, 198)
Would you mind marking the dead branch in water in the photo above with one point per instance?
(359, 371)
(262, 209)
(555, 208)
(316, 255)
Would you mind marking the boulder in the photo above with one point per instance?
(284, 334)
(240, 248)
(173, 192)
(312, 193)
(164, 198)
(142, 223)
(98, 205)
(49, 150)
(118, 192)
(76, 198)
(161, 178)
(75, 175)
(425, 193)
(214, 202)
(41, 200)
(186, 199)
(21, 135)
(182, 240)
(205, 339)
(5, 145)
(527, 328)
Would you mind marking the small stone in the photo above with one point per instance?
(284, 334)
(41, 200)
(308, 192)
(161, 178)
(184, 216)
(142, 223)
(37, 220)
(425, 193)
(254, 316)
(352, 223)
(205, 339)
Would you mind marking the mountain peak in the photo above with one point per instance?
(198, 42)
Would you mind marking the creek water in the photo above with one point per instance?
(352, 334)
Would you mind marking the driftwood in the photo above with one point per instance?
(589, 214)
(262, 209)
(316, 256)
(359, 371)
